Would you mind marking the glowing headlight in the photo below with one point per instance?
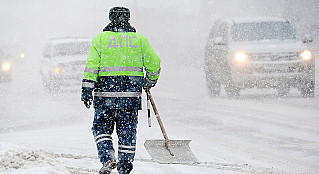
(240, 56)
(56, 70)
(306, 55)
(22, 55)
(6, 66)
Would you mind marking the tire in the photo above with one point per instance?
(212, 84)
(50, 87)
(53, 90)
(283, 89)
(232, 90)
(308, 89)
(214, 88)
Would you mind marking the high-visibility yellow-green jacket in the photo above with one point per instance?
(121, 53)
(114, 69)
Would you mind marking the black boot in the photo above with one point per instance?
(124, 171)
(107, 167)
(125, 168)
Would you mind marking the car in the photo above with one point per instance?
(63, 63)
(258, 52)
(6, 68)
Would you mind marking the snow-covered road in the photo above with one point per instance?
(255, 133)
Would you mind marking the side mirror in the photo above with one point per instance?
(307, 38)
(219, 41)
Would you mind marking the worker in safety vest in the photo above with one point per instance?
(114, 73)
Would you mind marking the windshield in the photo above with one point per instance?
(71, 48)
(263, 31)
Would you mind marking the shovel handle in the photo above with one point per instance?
(149, 112)
(167, 142)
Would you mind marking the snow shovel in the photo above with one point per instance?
(168, 151)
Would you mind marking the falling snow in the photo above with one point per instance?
(257, 131)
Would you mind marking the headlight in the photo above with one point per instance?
(306, 55)
(240, 56)
(56, 70)
(22, 56)
(6, 66)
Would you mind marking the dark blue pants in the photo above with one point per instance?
(126, 124)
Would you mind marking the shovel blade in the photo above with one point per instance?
(182, 152)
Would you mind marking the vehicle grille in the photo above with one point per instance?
(73, 66)
(274, 56)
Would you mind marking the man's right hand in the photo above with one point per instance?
(148, 83)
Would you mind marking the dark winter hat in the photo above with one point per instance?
(119, 13)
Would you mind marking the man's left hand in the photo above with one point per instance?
(87, 103)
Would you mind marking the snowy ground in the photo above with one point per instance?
(256, 133)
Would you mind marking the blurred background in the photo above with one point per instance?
(177, 30)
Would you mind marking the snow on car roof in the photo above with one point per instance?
(69, 39)
(256, 19)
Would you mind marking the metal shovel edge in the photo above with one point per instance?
(168, 151)
(182, 152)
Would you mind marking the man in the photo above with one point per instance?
(114, 71)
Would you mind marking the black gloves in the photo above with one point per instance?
(86, 94)
(148, 83)
(87, 97)
(87, 103)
